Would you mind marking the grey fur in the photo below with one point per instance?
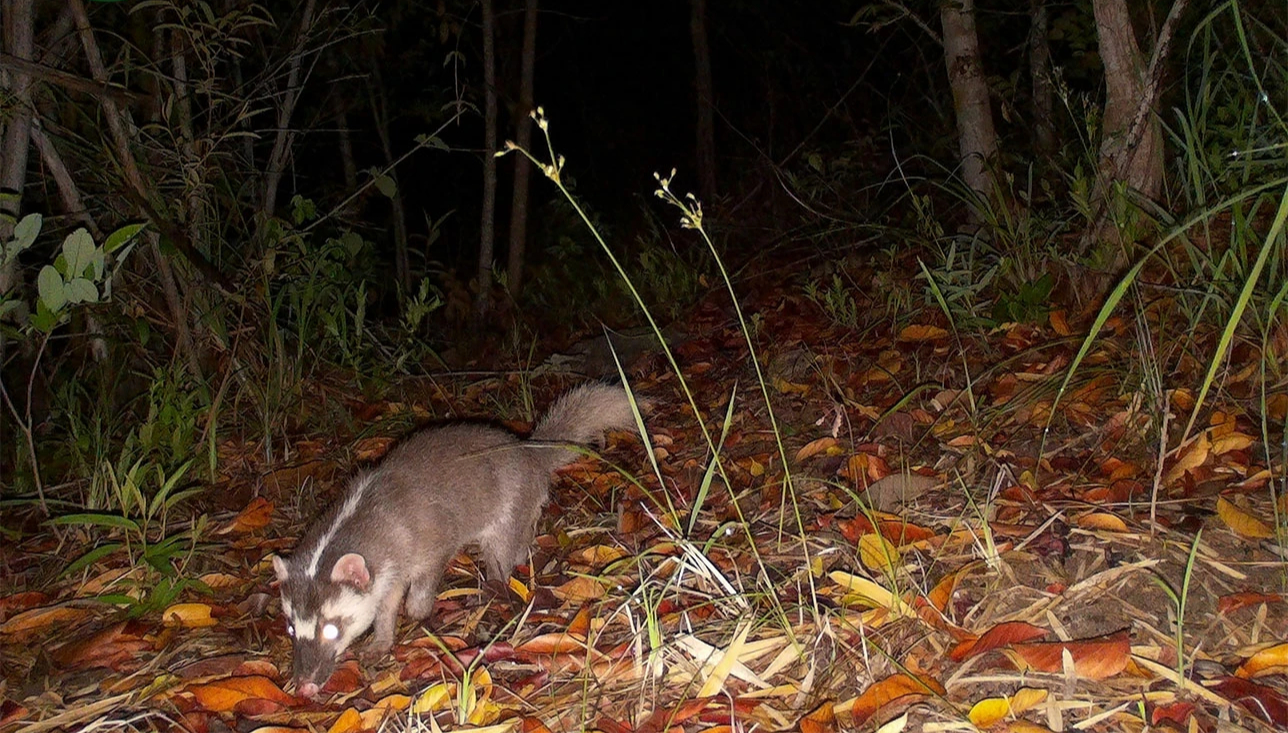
(441, 490)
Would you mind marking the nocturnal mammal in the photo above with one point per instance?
(389, 539)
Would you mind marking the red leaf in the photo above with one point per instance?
(1235, 601)
(1263, 702)
(1005, 634)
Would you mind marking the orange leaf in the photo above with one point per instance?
(1243, 523)
(1193, 456)
(350, 721)
(990, 711)
(1102, 521)
(819, 720)
(1060, 323)
(370, 449)
(1230, 442)
(557, 643)
(828, 445)
(917, 333)
(223, 695)
(1004, 634)
(580, 624)
(883, 692)
(1094, 659)
(1273, 660)
(255, 516)
(109, 648)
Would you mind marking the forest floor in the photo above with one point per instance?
(887, 550)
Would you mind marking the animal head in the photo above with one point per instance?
(325, 609)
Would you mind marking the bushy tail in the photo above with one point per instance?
(582, 415)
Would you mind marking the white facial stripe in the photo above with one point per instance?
(305, 628)
(350, 506)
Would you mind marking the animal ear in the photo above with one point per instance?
(279, 567)
(351, 569)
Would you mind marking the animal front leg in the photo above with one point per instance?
(386, 624)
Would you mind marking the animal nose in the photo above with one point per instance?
(307, 689)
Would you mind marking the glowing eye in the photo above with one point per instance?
(290, 630)
(330, 632)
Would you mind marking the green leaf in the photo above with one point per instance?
(121, 237)
(44, 320)
(49, 284)
(386, 186)
(25, 231)
(91, 557)
(79, 249)
(81, 290)
(95, 519)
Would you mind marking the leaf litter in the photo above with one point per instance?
(921, 570)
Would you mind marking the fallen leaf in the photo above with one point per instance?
(1102, 521)
(1242, 522)
(1234, 601)
(596, 556)
(110, 648)
(579, 590)
(36, 620)
(1273, 660)
(990, 711)
(256, 515)
(1003, 634)
(1194, 455)
(826, 445)
(350, 721)
(223, 695)
(1264, 703)
(878, 554)
(188, 615)
(821, 719)
(918, 333)
(1231, 442)
(1093, 659)
(885, 691)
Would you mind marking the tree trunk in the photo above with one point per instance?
(705, 92)
(487, 233)
(1040, 73)
(1139, 164)
(380, 113)
(285, 134)
(17, 31)
(977, 139)
(523, 138)
(347, 163)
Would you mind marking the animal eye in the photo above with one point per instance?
(290, 630)
(330, 632)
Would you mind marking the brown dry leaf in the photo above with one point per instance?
(1242, 522)
(256, 515)
(37, 620)
(1102, 521)
(991, 711)
(596, 556)
(886, 691)
(371, 449)
(110, 648)
(579, 590)
(1093, 659)
(1273, 660)
(221, 581)
(827, 446)
(1060, 323)
(786, 387)
(222, 696)
(188, 615)
(279, 729)
(920, 333)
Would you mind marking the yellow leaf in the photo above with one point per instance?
(597, 556)
(434, 699)
(1243, 523)
(519, 588)
(1193, 456)
(870, 593)
(827, 446)
(991, 711)
(188, 615)
(1230, 442)
(580, 589)
(877, 553)
(786, 387)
